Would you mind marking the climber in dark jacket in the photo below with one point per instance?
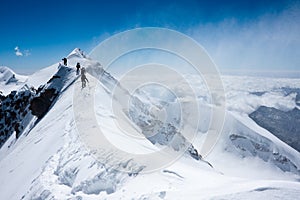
(77, 68)
(65, 61)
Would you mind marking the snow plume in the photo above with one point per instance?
(18, 52)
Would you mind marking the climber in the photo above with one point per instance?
(65, 61)
(82, 70)
(83, 77)
(77, 68)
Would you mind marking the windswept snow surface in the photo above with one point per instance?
(52, 162)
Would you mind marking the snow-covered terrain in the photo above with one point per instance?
(9, 80)
(50, 159)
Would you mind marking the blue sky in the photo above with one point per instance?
(239, 35)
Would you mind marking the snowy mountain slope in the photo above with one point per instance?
(19, 110)
(52, 162)
(30, 96)
(8, 83)
(240, 136)
(15, 113)
(145, 114)
(244, 146)
(60, 162)
(30, 153)
(9, 80)
(64, 169)
(39, 78)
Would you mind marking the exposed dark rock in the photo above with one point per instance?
(40, 89)
(41, 104)
(262, 149)
(13, 109)
(288, 91)
(284, 125)
(52, 78)
(12, 94)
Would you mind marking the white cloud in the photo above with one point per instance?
(27, 52)
(18, 52)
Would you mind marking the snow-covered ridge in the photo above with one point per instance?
(46, 94)
(156, 130)
(51, 162)
(19, 108)
(23, 97)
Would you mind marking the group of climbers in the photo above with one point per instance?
(79, 70)
(17, 125)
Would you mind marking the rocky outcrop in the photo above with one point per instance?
(14, 108)
(283, 124)
(40, 105)
(46, 94)
(264, 150)
(17, 110)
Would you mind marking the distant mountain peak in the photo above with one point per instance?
(8, 76)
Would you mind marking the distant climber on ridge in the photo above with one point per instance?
(77, 68)
(65, 61)
(83, 77)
